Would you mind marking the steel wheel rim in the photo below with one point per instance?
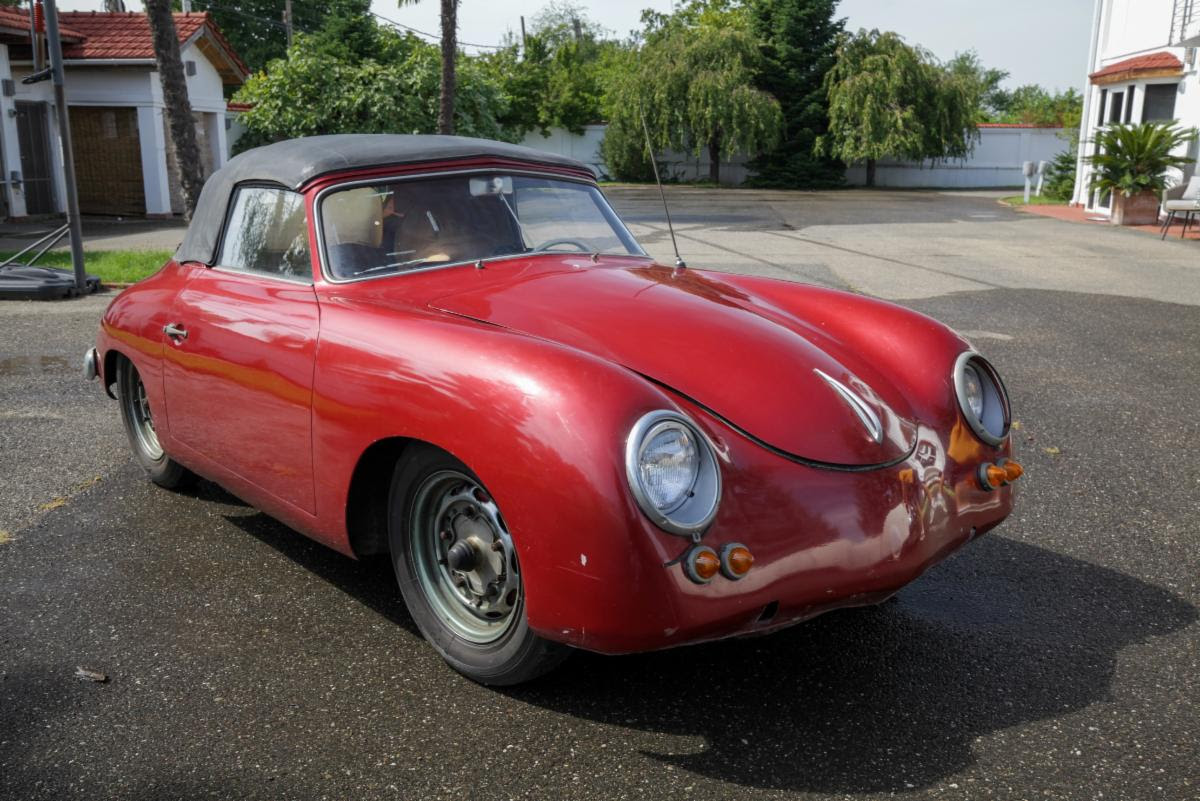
(138, 406)
(463, 557)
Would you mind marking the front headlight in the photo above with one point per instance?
(673, 473)
(982, 397)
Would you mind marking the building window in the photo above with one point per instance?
(266, 233)
(1129, 103)
(1159, 102)
(1116, 106)
(1103, 99)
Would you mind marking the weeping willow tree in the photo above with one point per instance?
(889, 99)
(693, 79)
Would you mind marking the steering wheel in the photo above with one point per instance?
(584, 247)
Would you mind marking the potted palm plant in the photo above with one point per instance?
(1132, 163)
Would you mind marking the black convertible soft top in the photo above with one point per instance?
(295, 162)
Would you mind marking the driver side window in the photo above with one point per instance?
(267, 233)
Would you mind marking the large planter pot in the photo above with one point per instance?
(1139, 209)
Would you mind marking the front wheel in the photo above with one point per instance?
(139, 426)
(458, 572)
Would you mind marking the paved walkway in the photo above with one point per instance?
(100, 234)
(1077, 214)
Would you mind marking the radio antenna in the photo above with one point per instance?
(654, 164)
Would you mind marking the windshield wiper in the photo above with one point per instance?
(395, 265)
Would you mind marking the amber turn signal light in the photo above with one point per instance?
(736, 560)
(701, 564)
(995, 476)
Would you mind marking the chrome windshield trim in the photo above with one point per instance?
(866, 414)
(319, 227)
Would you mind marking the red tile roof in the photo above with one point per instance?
(127, 36)
(16, 20)
(1014, 125)
(1154, 61)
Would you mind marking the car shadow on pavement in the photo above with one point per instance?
(887, 698)
(369, 580)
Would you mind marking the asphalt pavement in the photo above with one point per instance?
(1057, 657)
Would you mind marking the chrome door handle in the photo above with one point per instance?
(175, 331)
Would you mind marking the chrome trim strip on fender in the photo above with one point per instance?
(866, 414)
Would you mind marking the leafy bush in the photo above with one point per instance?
(1060, 176)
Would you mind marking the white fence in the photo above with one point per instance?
(675, 166)
(996, 161)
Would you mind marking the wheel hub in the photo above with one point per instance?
(474, 582)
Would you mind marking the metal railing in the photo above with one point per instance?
(1184, 15)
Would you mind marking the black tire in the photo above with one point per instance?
(516, 654)
(139, 427)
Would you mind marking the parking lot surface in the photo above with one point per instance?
(1058, 657)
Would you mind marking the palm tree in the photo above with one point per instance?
(449, 51)
(175, 98)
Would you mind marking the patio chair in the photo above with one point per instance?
(1181, 199)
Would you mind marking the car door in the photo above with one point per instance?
(240, 347)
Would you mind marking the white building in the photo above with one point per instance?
(123, 153)
(1142, 67)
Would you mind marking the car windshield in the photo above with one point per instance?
(426, 222)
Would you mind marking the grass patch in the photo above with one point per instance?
(112, 266)
(1034, 200)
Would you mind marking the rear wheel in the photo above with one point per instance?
(139, 426)
(459, 574)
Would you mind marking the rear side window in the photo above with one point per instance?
(266, 233)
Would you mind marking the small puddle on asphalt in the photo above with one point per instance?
(34, 365)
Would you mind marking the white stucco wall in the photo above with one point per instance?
(996, 161)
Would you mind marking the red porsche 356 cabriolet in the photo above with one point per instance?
(452, 351)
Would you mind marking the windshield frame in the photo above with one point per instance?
(318, 221)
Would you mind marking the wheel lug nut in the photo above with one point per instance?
(497, 545)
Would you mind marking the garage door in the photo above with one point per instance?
(108, 160)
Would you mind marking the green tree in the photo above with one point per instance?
(798, 40)
(1033, 105)
(889, 99)
(256, 30)
(555, 79)
(984, 84)
(693, 80)
(317, 90)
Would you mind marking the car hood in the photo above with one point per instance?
(766, 373)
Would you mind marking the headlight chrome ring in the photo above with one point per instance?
(977, 384)
(690, 511)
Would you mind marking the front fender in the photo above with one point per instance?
(542, 425)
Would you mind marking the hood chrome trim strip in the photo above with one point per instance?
(866, 414)
(816, 464)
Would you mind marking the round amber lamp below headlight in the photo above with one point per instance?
(736, 561)
(701, 564)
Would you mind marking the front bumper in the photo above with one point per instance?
(821, 539)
